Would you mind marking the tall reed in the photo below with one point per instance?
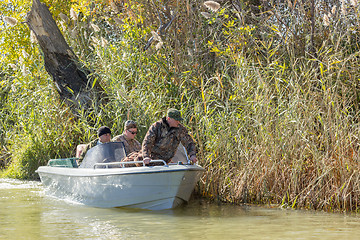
(272, 105)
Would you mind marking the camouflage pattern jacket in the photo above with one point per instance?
(131, 145)
(161, 141)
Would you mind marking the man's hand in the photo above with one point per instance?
(193, 159)
(147, 160)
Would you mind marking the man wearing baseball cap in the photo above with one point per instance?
(163, 138)
(128, 137)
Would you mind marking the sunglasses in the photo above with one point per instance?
(132, 132)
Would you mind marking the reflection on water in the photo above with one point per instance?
(26, 213)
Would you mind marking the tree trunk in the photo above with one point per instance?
(70, 80)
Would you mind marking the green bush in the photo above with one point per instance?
(272, 105)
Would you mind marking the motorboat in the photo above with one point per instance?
(104, 180)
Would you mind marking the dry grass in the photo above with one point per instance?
(272, 105)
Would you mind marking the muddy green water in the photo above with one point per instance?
(27, 213)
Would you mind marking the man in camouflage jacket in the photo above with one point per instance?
(163, 138)
(128, 138)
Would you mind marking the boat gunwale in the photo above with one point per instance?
(90, 172)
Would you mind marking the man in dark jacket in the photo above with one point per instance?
(164, 136)
(104, 136)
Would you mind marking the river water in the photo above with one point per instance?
(27, 213)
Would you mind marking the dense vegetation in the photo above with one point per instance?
(269, 91)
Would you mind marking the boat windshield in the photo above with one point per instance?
(114, 152)
(180, 155)
(103, 153)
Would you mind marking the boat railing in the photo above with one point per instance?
(122, 164)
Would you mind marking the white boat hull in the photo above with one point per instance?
(154, 188)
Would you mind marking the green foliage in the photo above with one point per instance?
(269, 94)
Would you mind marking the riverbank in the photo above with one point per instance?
(275, 116)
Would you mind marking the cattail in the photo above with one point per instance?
(95, 40)
(73, 14)
(238, 16)
(159, 45)
(333, 10)
(326, 20)
(98, 53)
(156, 36)
(32, 37)
(63, 27)
(11, 21)
(24, 70)
(25, 54)
(95, 27)
(13, 66)
(213, 6)
(104, 42)
(64, 17)
(206, 15)
(13, 87)
(343, 9)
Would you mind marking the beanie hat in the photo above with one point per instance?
(103, 130)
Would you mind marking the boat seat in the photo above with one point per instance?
(63, 162)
